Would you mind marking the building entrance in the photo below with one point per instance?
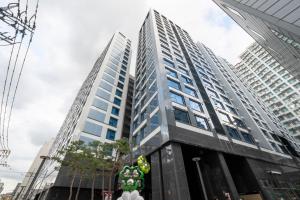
(244, 180)
(214, 176)
(213, 185)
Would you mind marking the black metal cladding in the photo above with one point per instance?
(212, 113)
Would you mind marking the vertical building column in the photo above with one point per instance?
(156, 177)
(258, 173)
(175, 182)
(233, 191)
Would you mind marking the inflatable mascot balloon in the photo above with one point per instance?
(132, 179)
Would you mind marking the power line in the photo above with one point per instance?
(16, 88)
(4, 87)
(9, 88)
(22, 24)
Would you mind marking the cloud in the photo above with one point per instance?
(67, 42)
(42, 134)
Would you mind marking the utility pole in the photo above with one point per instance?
(17, 20)
(17, 28)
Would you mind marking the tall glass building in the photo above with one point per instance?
(191, 121)
(275, 25)
(98, 113)
(272, 85)
(252, 109)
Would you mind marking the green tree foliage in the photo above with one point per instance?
(96, 158)
(121, 149)
(74, 153)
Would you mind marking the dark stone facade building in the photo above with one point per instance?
(190, 118)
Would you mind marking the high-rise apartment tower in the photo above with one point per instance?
(194, 127)
(98, 113)
(272, 85)
(275, 25)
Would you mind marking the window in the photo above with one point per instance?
(117, 101)
(180, 62)
(202, 122)
(142, 132)
(106, 86)
(190, 91)
(178, 56)
(112, 65)
(196, 106)
(183, 71)
(266, 134)
(123, 73)
(108, 78)
(96, 115)
(212, 93)
(233, 133)
(110, 72)
(248, 138)
(232, 110)
(86, 140)
(176, 98)
(187, 80)
(220, 90)
(275, 147)
(153, 89)
(239, 122)
(135, 124)
(286, 39)
(120, 85)
(121, 78)
(215, 82)
(110, 135)
(118, 93)
(174, 84)
(206, 83)
(143, 101)
(124, 67)
(201, 70)
(115, 111)
(100, 104)
(153, 104)
(226, 99)
(276, 138)
(224, 117)
(143, 115)
(218, 104)
(165, 48)
(92, 128)
(167, 55)
(113, 122)
(103, 94)
(181, 116)
(203, 75)
(168, 63)
(154, 121)
(171, 73)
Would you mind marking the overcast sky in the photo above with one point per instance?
(69, 37)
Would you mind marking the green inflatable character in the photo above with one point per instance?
(132, 177)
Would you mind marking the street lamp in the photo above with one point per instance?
(196, 160)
